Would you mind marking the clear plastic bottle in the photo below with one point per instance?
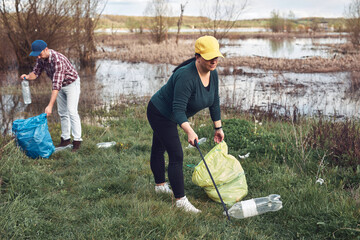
(201, 140)
(106, 144)
(255, 206)
(26, 91)
(58, 149)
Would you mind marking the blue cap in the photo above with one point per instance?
(37, 46)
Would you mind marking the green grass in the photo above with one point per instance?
(109, 193)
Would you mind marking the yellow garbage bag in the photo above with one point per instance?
(227, 173)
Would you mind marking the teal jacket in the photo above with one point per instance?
(184, 95)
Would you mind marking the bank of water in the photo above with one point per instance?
(114, 81)
(308, 93)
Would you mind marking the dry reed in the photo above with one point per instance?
(355, 81)
(308, 65)
(341, 138)
(140, 48)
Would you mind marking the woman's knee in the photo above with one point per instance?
(176, 157)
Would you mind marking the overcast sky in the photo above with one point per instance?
(254, 9)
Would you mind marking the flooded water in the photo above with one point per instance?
(330, 94)
(326, 93)
(309, 94)
(294, 48)
(290, 48)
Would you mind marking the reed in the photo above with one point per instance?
(308, 65)
(140, 48)
(341, 139)
(355, 81)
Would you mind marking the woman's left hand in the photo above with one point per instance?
(219, 136)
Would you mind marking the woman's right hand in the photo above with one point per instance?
(24, 76)
(192, 136)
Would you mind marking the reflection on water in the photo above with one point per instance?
(10, 103)
(310, 94)
(326, 93)
(291, 48)
(114, 81)
(138, 79)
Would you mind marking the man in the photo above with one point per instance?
(65, 90)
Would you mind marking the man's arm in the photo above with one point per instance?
(30, 76)
(48, 109)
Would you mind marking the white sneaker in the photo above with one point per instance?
(186, 205)
(163, 189)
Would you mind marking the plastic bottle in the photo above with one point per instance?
(255, 206)
(201, 140)
(26, 91)
(106, 144)
(58, 149)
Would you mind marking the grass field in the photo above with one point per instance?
(109, 193)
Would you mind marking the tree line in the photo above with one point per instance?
(69, 24)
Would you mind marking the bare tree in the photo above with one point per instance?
(159, 11)
(315, 24)
(85, 19)
(352, 21)
(59, 23)
(289, 22)
(276, 22)
(221, 16)
(27, 20)
(179, 23)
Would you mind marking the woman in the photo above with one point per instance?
(192, 87)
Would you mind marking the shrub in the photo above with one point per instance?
(342, 139)
(245, 136)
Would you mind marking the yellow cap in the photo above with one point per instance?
(207, 47)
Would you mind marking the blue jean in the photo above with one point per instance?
(67, 104)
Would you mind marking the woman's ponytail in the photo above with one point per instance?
(186, 62)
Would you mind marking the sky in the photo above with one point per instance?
(254, 8)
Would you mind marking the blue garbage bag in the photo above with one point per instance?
(33, 136)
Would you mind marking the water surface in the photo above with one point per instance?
(293, 48)
(114, 81)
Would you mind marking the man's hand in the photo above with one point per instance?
(48, 110)
(30, 76)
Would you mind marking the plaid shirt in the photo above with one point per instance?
(58, 68)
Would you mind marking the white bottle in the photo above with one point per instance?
(26, 91)
(105, 144)
(256, 206)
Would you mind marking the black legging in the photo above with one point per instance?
(166, 138)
